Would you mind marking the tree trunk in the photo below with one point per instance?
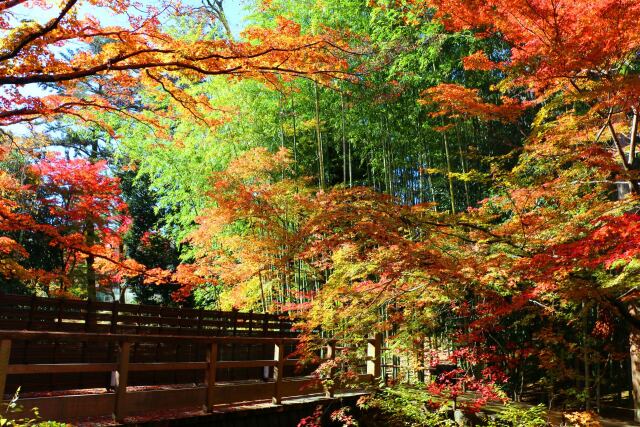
(295, 135)
(319, 137)
(633, 184)
(344, 142)
(350, 170)
(281, 120)
(218, 11)
(448, 158)
(585, 357)
(389, 164)
(463, 167)
(262, 296)
(91, 279)
(634, 353)
(633, 139)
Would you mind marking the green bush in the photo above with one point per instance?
(515, 416)
(14, 410)
(403, 407)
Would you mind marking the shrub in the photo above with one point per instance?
(9, 418)
(516, 416)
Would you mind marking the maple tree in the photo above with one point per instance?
(566, 54)
(81, 201)
(249, 204)
(139, 53)
(572, 56)
(82, 220)
(458, 197)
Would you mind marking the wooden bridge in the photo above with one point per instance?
(76, 360)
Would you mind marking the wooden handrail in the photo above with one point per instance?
(184, 313)
(69, 368)
(19, 312)
(133, 338)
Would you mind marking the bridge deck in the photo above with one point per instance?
(261, 413)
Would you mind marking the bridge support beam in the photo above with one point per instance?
(122, 379)
(331, 355)
(5, 352)
(278, 372)
(210, 377)
(374, 356)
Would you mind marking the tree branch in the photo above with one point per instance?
(51, 25)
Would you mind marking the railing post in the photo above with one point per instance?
(200, 315)
(278, 371)
(374, 359)
(113, 328)
(90, 317)
(265, 325)
(32, 311)
(331, 355)
(122, 378)
(210, 379)
(234, 315)
(5, 352)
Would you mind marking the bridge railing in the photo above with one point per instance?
(122, 402)
(19, 312)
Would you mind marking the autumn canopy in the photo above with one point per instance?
(460, 176)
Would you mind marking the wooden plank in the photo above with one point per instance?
(122, 379)
(61, 316)
(17, 324)
(101, 337)
(155, 320)
(222, 364)
(5, 352)
(69, 408)
(167, 366)
(60, 368)
(14, 299)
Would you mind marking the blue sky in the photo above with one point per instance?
(235, 10)
(236, 13)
